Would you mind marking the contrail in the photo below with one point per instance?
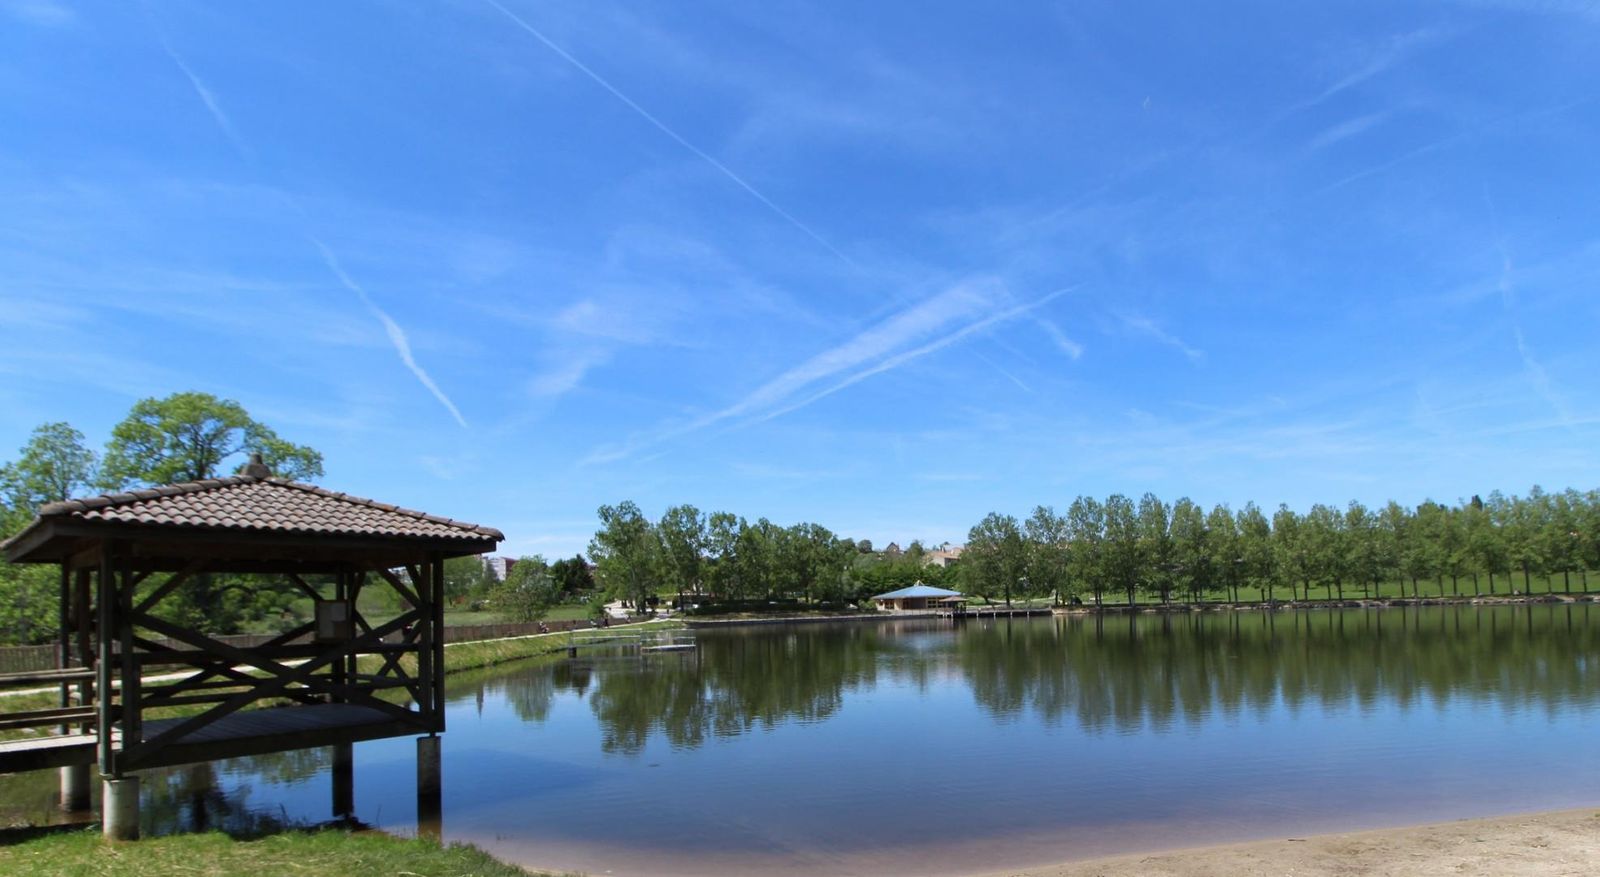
(662, 126)
(397, 335)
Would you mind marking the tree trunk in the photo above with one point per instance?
(1475, 583)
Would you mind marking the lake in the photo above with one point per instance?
(939, 747)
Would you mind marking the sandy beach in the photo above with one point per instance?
(1565, 842)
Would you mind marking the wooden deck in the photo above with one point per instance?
(249, 732)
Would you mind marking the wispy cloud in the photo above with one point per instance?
(1147, 327)
(1537, 376)
(1066, 345)
(1345, 130)
(929, 326)
(645, 114)
(1378, 59)
(45, 12)
(397, 335)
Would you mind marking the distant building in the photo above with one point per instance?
(893, 550)
(944, 555)
(499, 567)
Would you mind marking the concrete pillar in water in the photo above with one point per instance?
(119, 808)
(75, 788)
(344, 780)
(430, 806)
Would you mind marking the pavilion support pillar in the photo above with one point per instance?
(430, 804)
(344, 781)
(119, 808)
(75, 788)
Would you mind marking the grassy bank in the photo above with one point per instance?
(332, 851)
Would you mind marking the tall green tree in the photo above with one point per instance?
(1086, 524)
(1124, 556)
(193, 436)
(1155, 536)
(996, 556)
(1049, 563)
(627, 553)
(1255, 548)
(683, 547)
(54, 465)
(1191, 548)
(528, 591)
(1227, 549)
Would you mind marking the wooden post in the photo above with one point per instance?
(132, 720)
(105, 711)
(437, 620)
(423, 588)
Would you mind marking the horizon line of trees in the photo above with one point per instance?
(1123, 548)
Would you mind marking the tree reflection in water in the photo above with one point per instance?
(1105, 673)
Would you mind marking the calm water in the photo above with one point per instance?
(925, 748)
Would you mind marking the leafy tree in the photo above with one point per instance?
(1191, 548)
(995, 556)
(1324, 538)
(572, 575)
(1227, 558)
(466, 578)
(1124, 559)
(683, 545)
(1155, 535)
(528, 591)
(1086, 524)
(1290, 560)
(722, 543)
(189, 437)
(1049, 561)
(627, 552)
(54, 465)
(1255, 548)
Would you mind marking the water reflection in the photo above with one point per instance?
(1117, 673)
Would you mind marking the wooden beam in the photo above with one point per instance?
(283, 677)
(309, 591)
(105, 600)
(394, 582)
(167, 587)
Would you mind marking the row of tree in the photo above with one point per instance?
(1184, 551)
(1123, 549)
(725, 558)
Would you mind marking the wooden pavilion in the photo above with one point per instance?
(122, 555)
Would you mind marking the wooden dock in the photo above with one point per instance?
(247, 732)
(994, 612)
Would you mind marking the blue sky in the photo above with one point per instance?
(882, 266)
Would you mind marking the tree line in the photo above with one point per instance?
(1181, 551)
(1126, 551)
(725, 558)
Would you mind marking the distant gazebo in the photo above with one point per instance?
(918, 597)
(122, 554)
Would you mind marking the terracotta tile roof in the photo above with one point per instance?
(264, 505)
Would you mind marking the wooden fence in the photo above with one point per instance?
(32, 659)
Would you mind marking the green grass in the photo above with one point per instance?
(354, 854)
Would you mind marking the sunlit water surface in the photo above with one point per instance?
(921, 747)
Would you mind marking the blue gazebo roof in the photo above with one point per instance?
(917, 590)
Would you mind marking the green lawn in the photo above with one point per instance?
(28, 853)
